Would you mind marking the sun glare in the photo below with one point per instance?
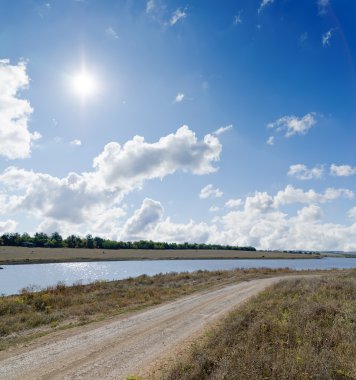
(84, 84)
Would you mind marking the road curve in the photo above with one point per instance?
(127, 344)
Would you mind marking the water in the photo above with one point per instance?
(15, 277)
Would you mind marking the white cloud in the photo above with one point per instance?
(88, 198)
(264, 3)
(342, 170)
(300, 171)
(15, 138)
(292, 195)
(150, 5)
(210, 192)
(352, 213)
(8, 226)
(310, 213)
(294, 125)
(177, 15)
(232, 203)
(76, 142)
(325, 38)
(179, 98)
(214, 209)
(111, 33)
(222, 130)
(323, 6)
(270, 140)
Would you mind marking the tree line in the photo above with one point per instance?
(55, 240)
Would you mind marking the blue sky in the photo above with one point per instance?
(245, 111)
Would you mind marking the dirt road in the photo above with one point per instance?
(126, 345)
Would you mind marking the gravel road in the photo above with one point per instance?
(125, 345)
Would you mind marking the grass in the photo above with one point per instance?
(297, 329)
(29, 314)
(23, 255)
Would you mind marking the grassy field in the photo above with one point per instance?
(31, 314)
(23, 255)
(298, 329)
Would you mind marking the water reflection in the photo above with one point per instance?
(15, 277)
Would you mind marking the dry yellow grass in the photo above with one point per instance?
(298, 329)
(22, 255)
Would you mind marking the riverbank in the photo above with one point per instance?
(24, 255)
(298, 329)
(30, 314)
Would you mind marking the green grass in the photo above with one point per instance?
(30, 314)
(297, 329)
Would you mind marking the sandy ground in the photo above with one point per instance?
(23, 255)
(131, 344)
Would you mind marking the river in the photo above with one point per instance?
(13, 278)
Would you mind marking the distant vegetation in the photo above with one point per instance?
(55, 240)
(299, 329)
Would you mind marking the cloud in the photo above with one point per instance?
(294, 125)
(238, 18)
(325, 38)
(264, 3)
(270, 140)
(303, 37)
(342, 170)
(292, 195)
(179, 98)
(352, 213)
(88, 197)
(76, 142)
(143, 219)
(8, 226)
(232, 203)
(323, 6)
(209, 192)
(214, 209)
(300, 171)
(150, 5)
(177, 15)
(110, 32)
(222, 130)
(15, 138)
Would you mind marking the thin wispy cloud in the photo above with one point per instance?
(150, 5)
(178, 14)
(110, 32)
(303, 37)
(292, 125)
(323, 6)
(302, 172)
(238, 18)
(76, 142)
(222, 130)
(270, 140)
(325, 38)
(264, 4)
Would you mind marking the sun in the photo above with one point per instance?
(84, 84)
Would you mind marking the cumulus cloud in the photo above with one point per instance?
(325, 38)
(342, 170)
(222, 130)
(110, 32)
(8, 226)
(15, 138)
(210, 192)
(294, 125)
(301, 171)
(178, 14)
(179, 98)
(232, 203)
(76, 142)
(264, 4)
(83, 198)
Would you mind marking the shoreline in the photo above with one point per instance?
(24, 255)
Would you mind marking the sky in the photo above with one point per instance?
(229, 122)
